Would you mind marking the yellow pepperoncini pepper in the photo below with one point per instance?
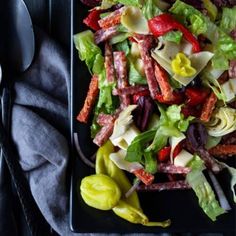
(135, 216)
(105, 166)
(100, 190)
(181, 65)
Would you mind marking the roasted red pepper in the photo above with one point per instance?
(177, 99)
(177, 149)
(165, 23)
(144, 176)
(196, 96)
(140, 94)
(164, 154)
(92, 19)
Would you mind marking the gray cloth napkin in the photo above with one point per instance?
(40, 124)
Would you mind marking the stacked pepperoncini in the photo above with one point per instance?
(106, 190)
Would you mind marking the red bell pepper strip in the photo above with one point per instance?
(177, 149)
(92, 19)
(164, 154)
(196, 96)
(177, 99)
(144, 176)
(164, 23)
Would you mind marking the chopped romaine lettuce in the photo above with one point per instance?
(205, 194)
(123, 46)
(211, 9)
(105, 99)
(150, 162)
(172, 123)
(134, 3)
(119, 38)
(135, 151)
(203, 190)
(173, 36)
(228, 20)
(89, 51)
(150, 9)
(134, 75)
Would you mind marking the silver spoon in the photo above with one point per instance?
(17, 48)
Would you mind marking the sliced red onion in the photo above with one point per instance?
(81, 154)
(133, 188)
(219, 191)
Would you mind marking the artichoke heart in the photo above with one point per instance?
(133, 19)
(223, 122)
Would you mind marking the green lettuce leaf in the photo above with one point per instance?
(106, 100)
(196, 163)
(211, 9)
(135, 3)
(189, 15)
(150, 9)
(134, 76)
(135, 150)
(173, 36)
(205, 194)
(150, 162)
(172, 123)
(224, 45)
(89, 51)
(202, 189)
(228, 20)
(123, 46)
(109, 3)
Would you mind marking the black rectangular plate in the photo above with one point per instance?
(179, 206)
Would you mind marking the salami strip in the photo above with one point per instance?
(145, 44)
(89, 101)
(105, 119)
(232, 69)
(223, 150)
(163, 82)
(109, 67)
(208, 107)
(112, 19)
(104, 34)
(209, 161)
(131, 90)
(175, 185)
(103, 135)
(120, 63)
(144, 176)
(172, 169)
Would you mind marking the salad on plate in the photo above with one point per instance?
(161, 101)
